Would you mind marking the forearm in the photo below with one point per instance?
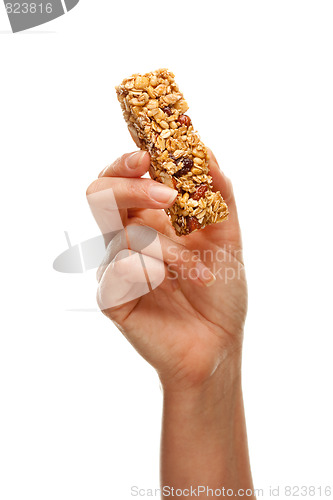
(204, 440)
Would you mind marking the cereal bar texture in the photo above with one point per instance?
(154, 110)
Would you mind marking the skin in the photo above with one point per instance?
(189, 328)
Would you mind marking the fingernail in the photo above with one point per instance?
(205, 275)
(162, 194)
(134, 161)
(103, 171)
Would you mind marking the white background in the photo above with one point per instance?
(80, 410)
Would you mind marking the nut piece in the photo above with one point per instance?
(160, 90)
(141, 82)
(153, 81)
(181, 106)
(200, 154)
(184, 120)
(165, 134)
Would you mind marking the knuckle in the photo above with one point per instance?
(139, 191)
(93, 187)
(123, 157)
(132, 190)
(140, 236)
(117, 164)
(144, 190)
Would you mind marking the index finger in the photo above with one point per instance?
(128, 165)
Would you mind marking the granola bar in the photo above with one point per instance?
(154, 110)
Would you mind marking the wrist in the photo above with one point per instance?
(223, 385)
(204, 433)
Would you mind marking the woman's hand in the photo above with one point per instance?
(192, 323)
(189, 326)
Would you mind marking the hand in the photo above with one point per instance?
(184, 328)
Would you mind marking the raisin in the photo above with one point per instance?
(200, 192)
(187, 162)
(184, 120)
(167, 111)
(182, 171)
(193, 223)
(187, 165)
